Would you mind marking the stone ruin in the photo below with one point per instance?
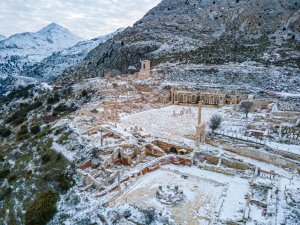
(170, 195)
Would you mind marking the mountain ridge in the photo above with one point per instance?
(181, 30)
(2, 37)
(52, 66)
(28, 48)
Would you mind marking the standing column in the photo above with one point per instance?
(172, 95)
(199, 112)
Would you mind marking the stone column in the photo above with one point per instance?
(199, 112)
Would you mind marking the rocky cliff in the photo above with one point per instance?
(210, 32)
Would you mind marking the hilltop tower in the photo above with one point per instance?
(145, 70)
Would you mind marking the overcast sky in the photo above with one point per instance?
(86, 18)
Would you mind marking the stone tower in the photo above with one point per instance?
(200, 128)
(145, 70)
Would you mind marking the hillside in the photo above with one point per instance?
(2, 37)
(55, 64)
(202, 32)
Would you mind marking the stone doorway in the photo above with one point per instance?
(173, 150)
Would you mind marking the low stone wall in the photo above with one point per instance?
(167, 147)
(285, 154)
(86, 165)
(224, 161)
(152, 166)
(263, 156)
(211, 142)
(217, 169)
(154, 150)
(237, 165)
(286, 114)
(211, 159)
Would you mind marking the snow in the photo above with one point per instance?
(48, 40)
(25, 49)
(207, 194)
(70, 156)
(2, 37)
(284, 147)
(199, 194)
(162, 123)
(67, 57)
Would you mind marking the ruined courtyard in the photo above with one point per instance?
(151, 145)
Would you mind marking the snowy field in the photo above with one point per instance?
(162, 123)
(202, 196)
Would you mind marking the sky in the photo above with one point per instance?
(86, 18)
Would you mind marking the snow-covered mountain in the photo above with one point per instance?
(55, 64)
(26, 49)
(212, 32)
(2, 37)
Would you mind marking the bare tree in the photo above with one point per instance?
(246, 107)
(215, 122)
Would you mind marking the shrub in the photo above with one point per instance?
(23, 130)
(215, 122)
(22, 133)
(12, 177)
(42, 209)
(59, 156)
(63, 108)
(46, 157)
(12, 217)
(22, 137)
(20, 92)
(2, 156)
(17, 117)
(53, 99)
(84, 93)
(64, 181)
(4, 173)
(5, 192)
(34, 129)
(20, 115)
(4, 132)
(246, 107)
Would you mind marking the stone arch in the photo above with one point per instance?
(221, 100)
(185, 98)
(180, 98)
(173, 150)
(189, 97)
(203, 99)
(194, 99)
(211, 100)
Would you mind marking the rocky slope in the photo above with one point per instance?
(55, 64)
(2, 37)
(25, 49)
(29, 163)
(202, 32)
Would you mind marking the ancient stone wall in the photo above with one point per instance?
(217, 169)
(224, 161)
(169, 147)
(263, 156)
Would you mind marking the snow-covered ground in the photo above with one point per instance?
(162, 123)
(207, 194)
